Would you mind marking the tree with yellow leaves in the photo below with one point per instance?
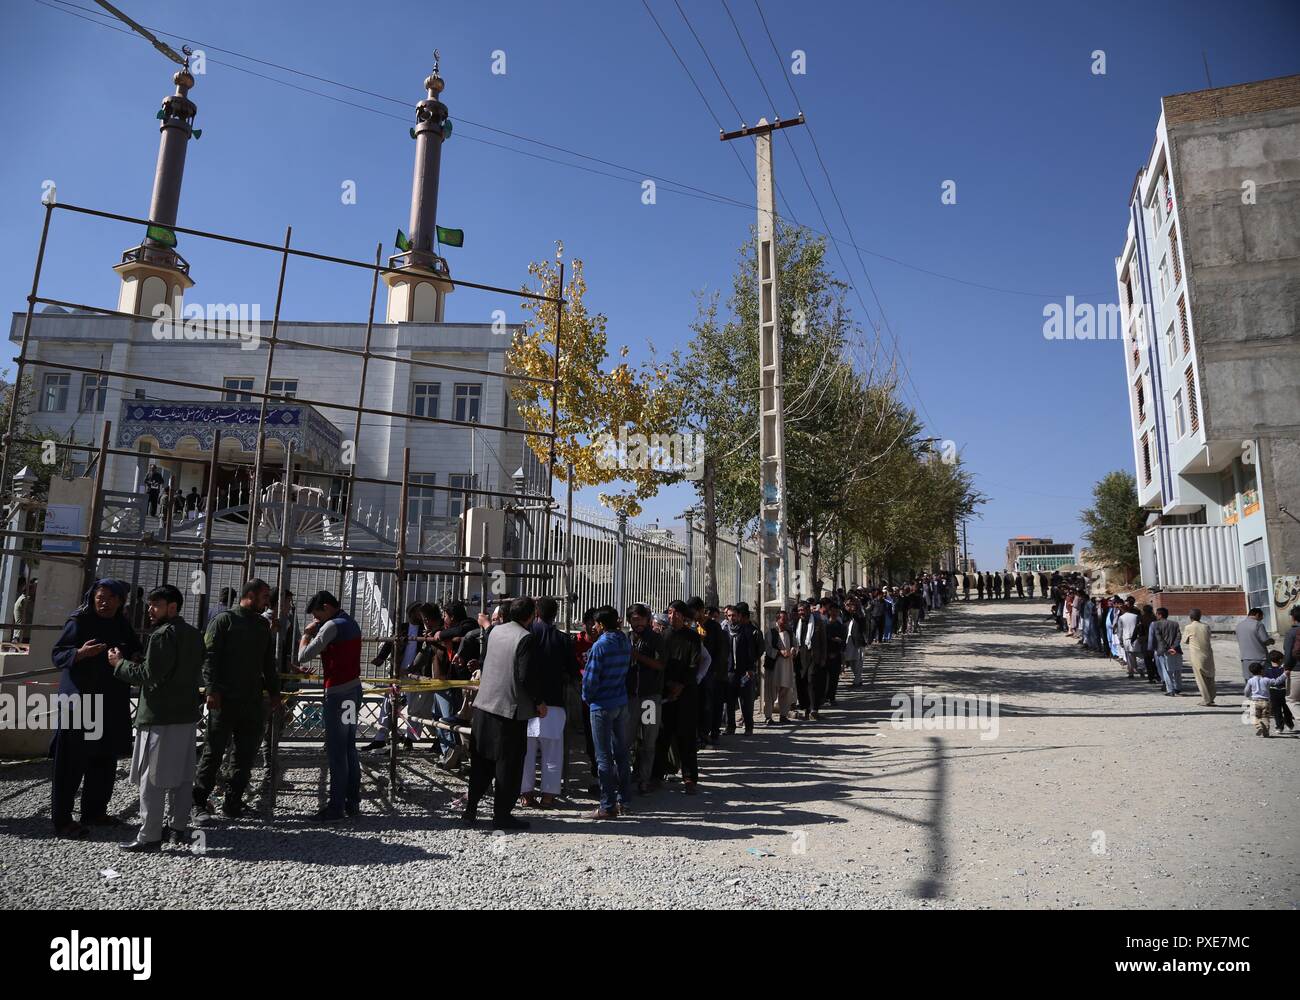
(601, 407)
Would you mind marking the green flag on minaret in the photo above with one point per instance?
(402, 242)
(161, 234)
(451, 237)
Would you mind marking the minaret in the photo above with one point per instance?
(154, 272)
(420, 285)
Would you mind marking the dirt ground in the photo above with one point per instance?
(1086, 789)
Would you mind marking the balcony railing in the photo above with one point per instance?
(1191, 555)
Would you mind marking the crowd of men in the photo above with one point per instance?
(233, 669)
(1153, 646)
(646, 692)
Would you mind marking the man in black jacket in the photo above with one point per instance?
(681, 651)
(713, 688)
(648, 691)
(878, 610)
(238, 669)
(836, 637)
(744, 652)
(810, 660)
(557, 668)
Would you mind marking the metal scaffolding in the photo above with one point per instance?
(535, 574)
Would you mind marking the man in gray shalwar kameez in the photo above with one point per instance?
(170, 678)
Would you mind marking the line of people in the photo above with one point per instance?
(1153, 646)
(1000, 586)
(648, 698)
(651, 698)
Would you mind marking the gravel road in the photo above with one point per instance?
(1086, 790)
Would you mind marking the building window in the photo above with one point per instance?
(1182, 324)
(468, 400)
(284, 387)
(1146, 460)
(237, 389)
(1171, 344)
(1193, 414)
(1180, 414)
(424, 399)
(54, 395)
(1163, 271)
(1141, 398)
(93, 390)
(1256, 575)
(420, 496)
(456, 501)
(1173, 256)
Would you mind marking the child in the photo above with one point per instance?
(1277, 695)
(1257, 690)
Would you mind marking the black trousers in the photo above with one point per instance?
(833, 679)
(507, 770)
(742, 696)
(679, 735)
(1282, 716)
(242, 722)
(810, 687)
(711, 702)
(877, 629)
(153, 503)
(801, 689)
(85, 765)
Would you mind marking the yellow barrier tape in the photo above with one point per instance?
(416, 684)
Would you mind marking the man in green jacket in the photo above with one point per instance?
(169, 678)
(239, 666)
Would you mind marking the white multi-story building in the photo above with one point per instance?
(84, 368)
(1209, 285)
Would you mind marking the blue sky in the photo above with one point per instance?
(1000, 98)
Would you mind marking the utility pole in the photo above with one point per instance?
(773, 575)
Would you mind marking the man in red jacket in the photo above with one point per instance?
(335, 637)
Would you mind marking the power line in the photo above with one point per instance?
(691, 76)
(844, 217)
(716, 75)
(66, 7)
(63, 7)
(799, 163)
